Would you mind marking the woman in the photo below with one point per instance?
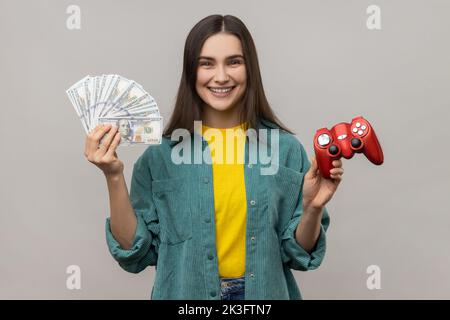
(220, 230)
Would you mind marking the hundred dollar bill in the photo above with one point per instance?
(78, 97)
(136, 130)
(119, 92)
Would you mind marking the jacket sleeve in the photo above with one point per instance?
(293, 255)
(144, 251)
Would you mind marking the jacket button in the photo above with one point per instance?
(205, 180)
(253, 238)
(250, 166)
(252, 202)
(208, 220)
(252, 275)
(210, 256)
(212, 293)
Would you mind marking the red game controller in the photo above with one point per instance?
(344, 140)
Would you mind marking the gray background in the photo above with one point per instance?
(320, 65)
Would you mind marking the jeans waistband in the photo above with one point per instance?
(229, 282)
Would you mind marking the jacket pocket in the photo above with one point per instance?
(172, 202)
(286, 174)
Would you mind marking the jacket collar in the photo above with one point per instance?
(266, 124)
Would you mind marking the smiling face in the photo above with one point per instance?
(221, 74)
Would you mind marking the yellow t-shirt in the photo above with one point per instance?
(230, 201)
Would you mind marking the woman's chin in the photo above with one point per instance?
(222, 106)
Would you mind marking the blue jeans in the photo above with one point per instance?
(232, 288)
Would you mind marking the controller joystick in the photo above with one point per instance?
(356, 143)
(334, 150)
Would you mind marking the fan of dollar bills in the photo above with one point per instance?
(112, 99)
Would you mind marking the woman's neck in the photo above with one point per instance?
(220, 119)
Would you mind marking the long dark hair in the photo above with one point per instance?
(188, 104)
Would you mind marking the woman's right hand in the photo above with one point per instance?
(103, 154)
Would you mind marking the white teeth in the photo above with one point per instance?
(220, 90)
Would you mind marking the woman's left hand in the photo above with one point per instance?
(317, 190)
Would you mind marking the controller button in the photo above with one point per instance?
(360, 132)
(356, 143)
(342, 137)
(333, 150)
(323, 139)
(363, 127)
(358, 124)
(355, 130)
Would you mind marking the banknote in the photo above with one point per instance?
(136, 130)
(111, 96)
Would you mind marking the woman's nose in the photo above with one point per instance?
(221, 74)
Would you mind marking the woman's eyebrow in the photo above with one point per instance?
(236, 56)
(227, 58)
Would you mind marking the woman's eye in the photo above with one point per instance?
(235, 62)
(205, 63)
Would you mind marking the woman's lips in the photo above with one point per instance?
(221, 92)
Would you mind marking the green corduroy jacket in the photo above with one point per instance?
(174, 206)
